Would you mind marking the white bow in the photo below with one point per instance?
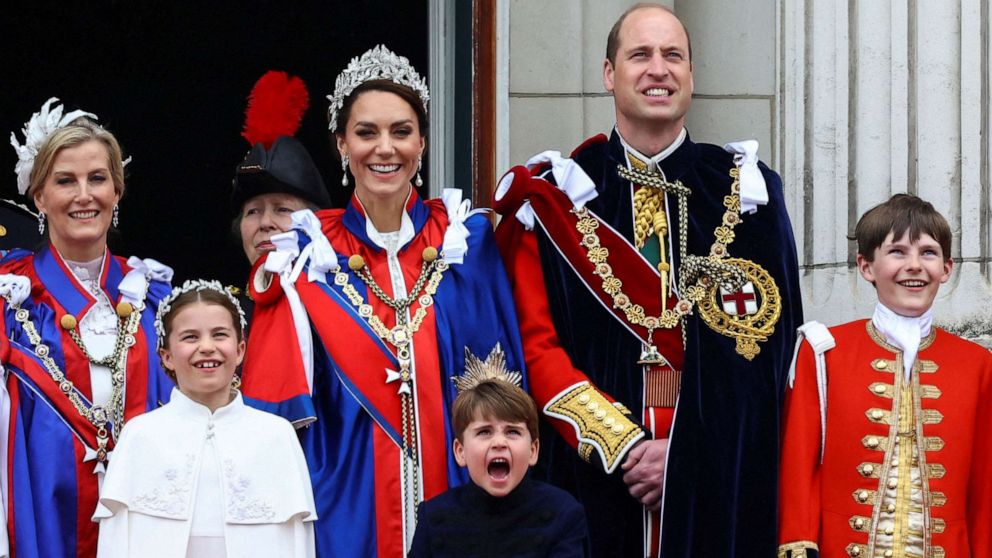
(455, 246)
(754, 191)
(134, 285)
(569, 176)
(15, 288)
(318, 252)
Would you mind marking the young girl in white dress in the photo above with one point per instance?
(205, 475)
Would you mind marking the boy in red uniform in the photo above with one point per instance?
(885, 451)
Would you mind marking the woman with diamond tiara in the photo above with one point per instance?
(77, 341)
(205, 476)
(366, 312)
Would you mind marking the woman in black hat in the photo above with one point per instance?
(277, 176)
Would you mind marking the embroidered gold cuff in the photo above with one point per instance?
(600, 427)
(796, 549)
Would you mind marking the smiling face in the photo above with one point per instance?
(203, 350)
(264, 216)
(497, 453)
(651, 79)
(907, 274)
(383, 142)
(78, 197)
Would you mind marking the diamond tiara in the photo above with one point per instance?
(165, 306)
(376, 63)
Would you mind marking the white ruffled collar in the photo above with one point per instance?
(904, 332)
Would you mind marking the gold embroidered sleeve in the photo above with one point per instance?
(798, 549)
(603, 429)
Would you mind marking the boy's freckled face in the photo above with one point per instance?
(907, 274)
(497, 454)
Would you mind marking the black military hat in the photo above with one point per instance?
(284, 168)
(18, 227)
(277, 162)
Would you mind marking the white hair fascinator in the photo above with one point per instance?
(377, 63)
(36, 131)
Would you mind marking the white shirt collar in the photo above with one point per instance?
(903, 332)
(652, 162)
(187, 407)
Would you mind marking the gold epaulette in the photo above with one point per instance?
(601, 427)
(797, 549)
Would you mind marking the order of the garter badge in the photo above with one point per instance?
(749, 313)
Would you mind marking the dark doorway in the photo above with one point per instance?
(170, 79)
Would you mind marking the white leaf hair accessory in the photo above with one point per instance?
(376, 63)
(36, 131)
(165, 306)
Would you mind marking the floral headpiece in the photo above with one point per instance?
(377, 63)
(36, 131)
(478, 371)
(165, 306)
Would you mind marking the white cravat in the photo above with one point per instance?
(98, 328)
(903, 332)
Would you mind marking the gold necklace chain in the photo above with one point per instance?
(696, 273)
(97, 415)
(400, 337)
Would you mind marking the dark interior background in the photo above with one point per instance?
(170, 79)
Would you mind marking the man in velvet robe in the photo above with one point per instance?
(668, 435)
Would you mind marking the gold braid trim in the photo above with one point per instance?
(600, 426)
(647, 202)
(796, 549)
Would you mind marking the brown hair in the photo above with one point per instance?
(77, 132)
(613, 39)
(401, 91)
(207, 296)
(900, 213)
(494, 399)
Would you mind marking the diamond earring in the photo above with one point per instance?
(344, 170)
(41, 222)
(117, 215)
(420, 165)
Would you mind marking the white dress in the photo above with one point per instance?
(185, 482)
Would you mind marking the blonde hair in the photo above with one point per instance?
(77, 132)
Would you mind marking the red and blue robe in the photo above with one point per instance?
(52, 491)
(353, 446)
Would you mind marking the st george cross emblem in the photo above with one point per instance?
(740, 303)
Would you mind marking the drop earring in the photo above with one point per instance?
(117, 215)
(41, 222)
(344, 170)
(420, 165)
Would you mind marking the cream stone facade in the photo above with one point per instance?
(851, 101)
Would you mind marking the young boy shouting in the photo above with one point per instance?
(886, 449)
(501, 512)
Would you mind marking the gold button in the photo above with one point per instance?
(600, 414)
(592, 406)
(881, 364)
(3, 230)
(356, 262)
(859, 523)
(888, 554)
(892, 483)
(868, 469)
(879, 388)
(877, 414)
(617, 429)
(872, 442)
(584, 398)
(862, 495)
(429, 254)
(610, 421)
(891, 508)
(889, 530)
(68, 322)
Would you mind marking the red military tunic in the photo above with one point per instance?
(843, 504)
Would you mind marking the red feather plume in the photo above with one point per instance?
(275, 108)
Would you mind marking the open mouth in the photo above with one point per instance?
(913, 283)
(384, 169)
(658, 92)
(83, 214)
(498, 469)
(207, 365)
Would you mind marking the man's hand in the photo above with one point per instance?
(645, 471)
